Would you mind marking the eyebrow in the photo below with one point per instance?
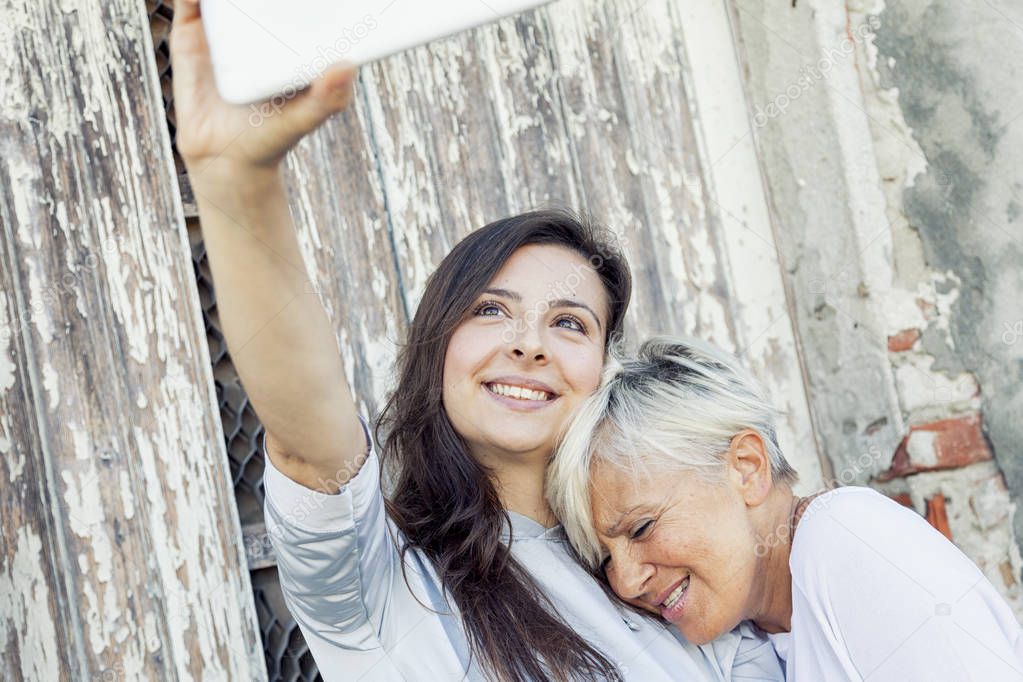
(614, 529)
(559, 303)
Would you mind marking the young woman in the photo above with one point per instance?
(671, 485)
(461, 572)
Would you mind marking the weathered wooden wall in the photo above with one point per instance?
(593, 104)
(120, 550)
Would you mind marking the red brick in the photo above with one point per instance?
(945, 444)
(903, 341)
(937, 515)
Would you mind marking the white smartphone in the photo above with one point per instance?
(263, 48)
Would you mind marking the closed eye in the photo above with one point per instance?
(641, 531)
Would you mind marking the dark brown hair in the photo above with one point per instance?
(443, 500)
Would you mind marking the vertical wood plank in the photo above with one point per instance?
(765, 334)
(113, 421)
(629, 125)
(467, 130)
(337, 202)
(33, 623)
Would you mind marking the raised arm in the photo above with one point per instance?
(277, 331)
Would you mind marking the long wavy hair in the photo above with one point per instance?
(443, 500)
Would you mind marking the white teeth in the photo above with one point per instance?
(518, 392)
(677, 594)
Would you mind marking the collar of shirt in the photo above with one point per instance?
(524, 528)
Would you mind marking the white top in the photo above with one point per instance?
(879, 595)
(338, 560)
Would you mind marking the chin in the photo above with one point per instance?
(701, 632)
(701, 638)
(521, 444)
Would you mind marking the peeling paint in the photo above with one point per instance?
(87, 519)
(15, 463)
(765, 333)
(52, 385)
(127, 494)
(25, 607)
(40, 300)
(6, 350)
(102, 262)
(831, 225)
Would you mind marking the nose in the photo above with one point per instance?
(525, 340)
(629, 577)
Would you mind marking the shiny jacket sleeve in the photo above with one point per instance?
(335, 555)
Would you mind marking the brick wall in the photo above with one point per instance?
(893, 170)
(944, 465)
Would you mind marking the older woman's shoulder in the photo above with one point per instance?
(874, 581)
(853, 504)
(867, 535)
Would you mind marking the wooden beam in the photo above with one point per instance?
(120, 548)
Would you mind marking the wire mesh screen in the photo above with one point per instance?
(287, 655)
(160, 16)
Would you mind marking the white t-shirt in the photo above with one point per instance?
(880, 595)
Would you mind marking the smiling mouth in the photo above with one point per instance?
(676, 594)
(519, 393)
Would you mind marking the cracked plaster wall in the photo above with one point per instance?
(957, 70)
(890, 137)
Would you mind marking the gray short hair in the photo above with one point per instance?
(678, 405)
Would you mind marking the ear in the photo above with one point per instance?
(749, 467)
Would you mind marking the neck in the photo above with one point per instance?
(520, 483)
(772, 607)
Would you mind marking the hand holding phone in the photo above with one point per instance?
(215, 134)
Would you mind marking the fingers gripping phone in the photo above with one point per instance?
(262, 48)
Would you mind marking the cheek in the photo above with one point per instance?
(738, 538)
(452, 369)
(458, 369)
(582, 367)
(714, 544)
(727, 570)
(464, 351)
(682, 540)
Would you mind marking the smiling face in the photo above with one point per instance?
(529, 350)
(678, 546)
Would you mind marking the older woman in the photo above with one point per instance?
(672, 488)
